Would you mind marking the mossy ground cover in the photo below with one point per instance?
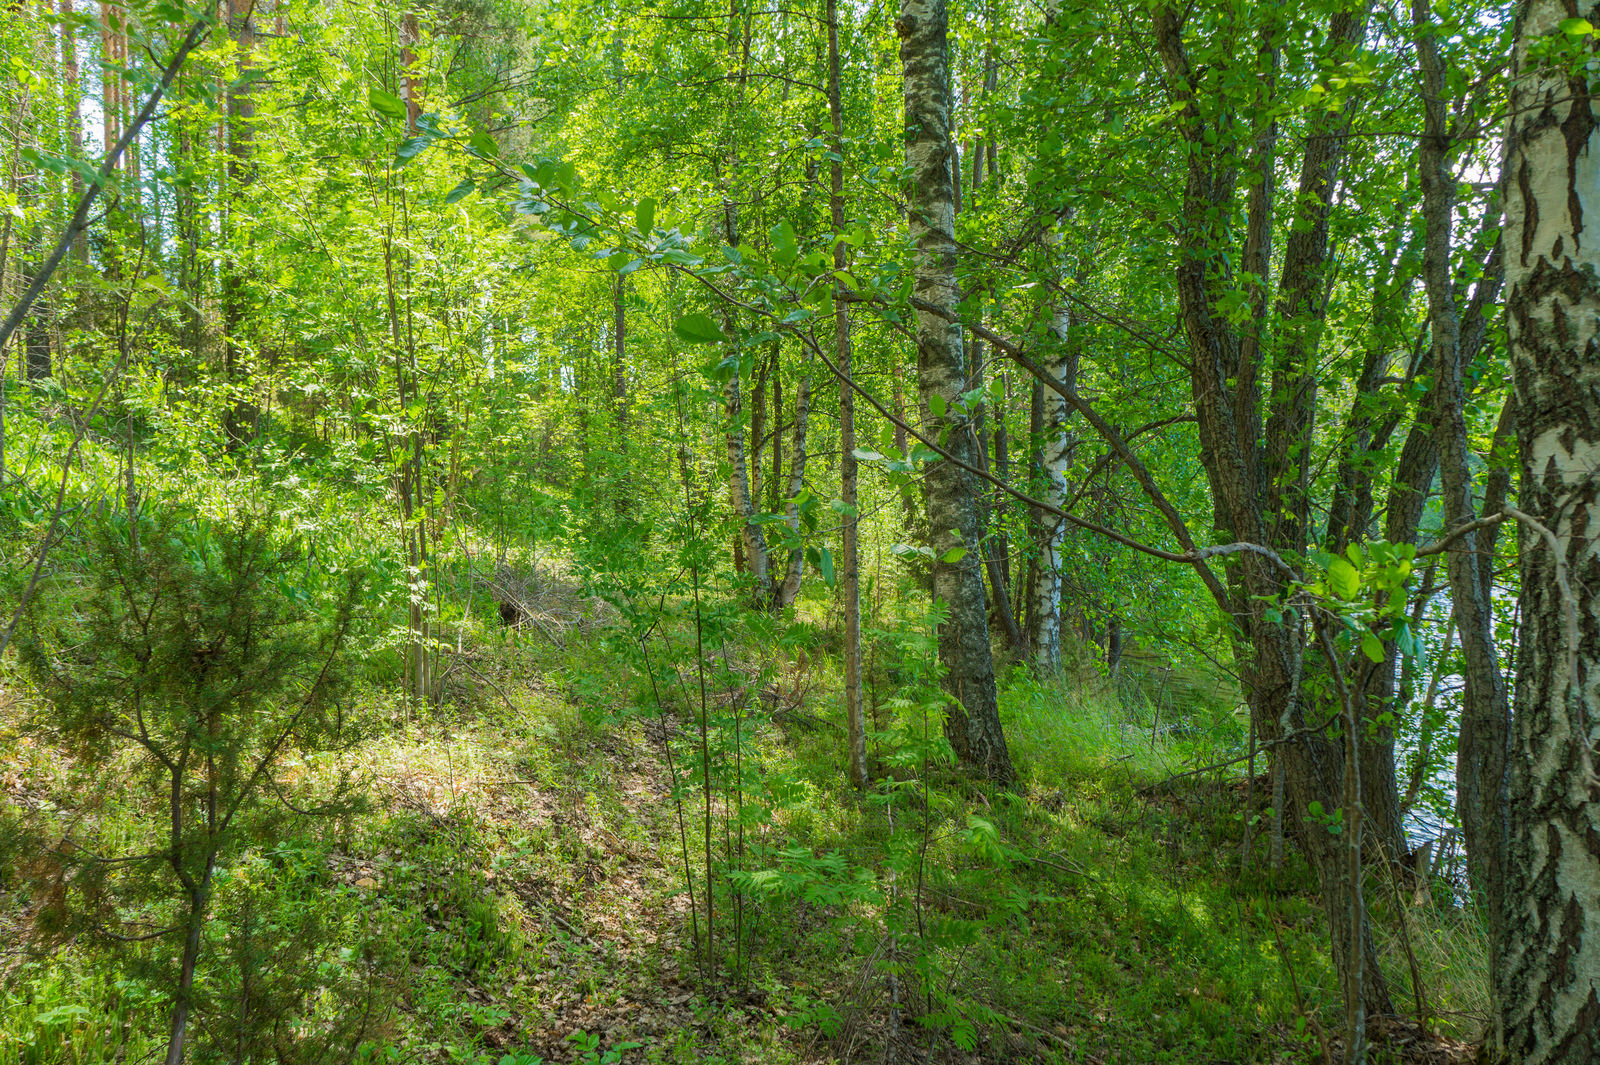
(515, 889)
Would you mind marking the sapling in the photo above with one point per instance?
(195, 662)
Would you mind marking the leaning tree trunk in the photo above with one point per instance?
(1547, 952)
(973, 724)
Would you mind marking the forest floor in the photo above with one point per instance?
(522, 863)
(1141, 961)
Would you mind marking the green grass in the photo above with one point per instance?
(519, 877)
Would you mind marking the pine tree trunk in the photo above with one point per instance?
(972, 726)
(1547, 950)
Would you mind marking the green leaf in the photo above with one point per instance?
(867, 456)
(386, 104)
(1372, 647)
(461, 191)
(785, 244)
(618, 260)
(826, 566)
(955, 554)
(410, 148)
(937, 405)
(645, 216)
(484, 145)
(1575, 27)
(698, 328)
(1343, 579)
(1316, 808)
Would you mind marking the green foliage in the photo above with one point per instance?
(196, 661)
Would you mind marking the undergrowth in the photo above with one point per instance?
(517, 888)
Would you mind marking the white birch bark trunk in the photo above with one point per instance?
(1053, 460)
(973, 724)
(850, 567)
(1548, 986)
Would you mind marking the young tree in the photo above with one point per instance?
(196, 657)
(849, 554)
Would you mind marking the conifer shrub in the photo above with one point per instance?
(191, 675)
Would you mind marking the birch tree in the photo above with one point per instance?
(949, 494)
(1548, 964)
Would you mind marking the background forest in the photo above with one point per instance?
(966, 531)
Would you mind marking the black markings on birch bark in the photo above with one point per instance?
(1545, 945)
(949, 494)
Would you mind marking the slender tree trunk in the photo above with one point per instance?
(776, 488)
(751, 539)
(109, 105)
(790, 588)
(850, 566)
(1547, 946)
(239, 421)
(619, 355)
(973, 724)
(909, 513)
(622, 487)
(72, 92)
(410, 87)
(1061, 360)
(35, 363)
(183, 1001)
(1036, 518)
(752, 543)
(1485, 707)
(758, 431)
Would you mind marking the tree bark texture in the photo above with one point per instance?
(1484, 709)
(850, 563)
(239, 421)
(789, 590)
(1061, 360)
(752, 540)
(1228, 413)
(1547, 952)
(973, 723)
